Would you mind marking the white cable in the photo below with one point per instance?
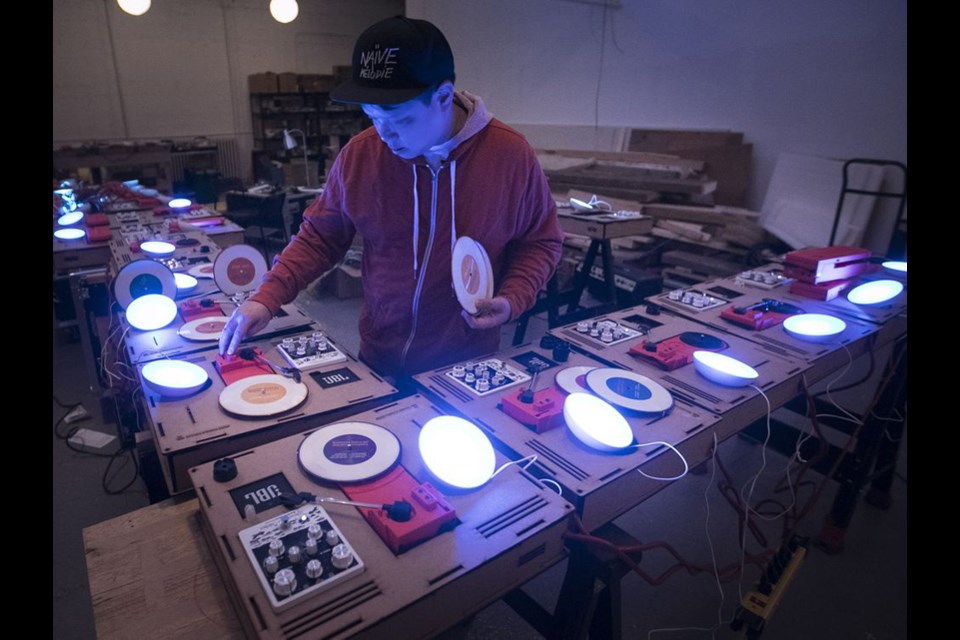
(553, 482)
(706, 526)
(832, 382)
(529, 459)
(686, 467)
(746, 501)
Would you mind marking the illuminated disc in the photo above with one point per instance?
(472, 273)
(202, 271)
(896, 267)
(723, 370)
(596, 423)
(69, 234)
(457, 452)
(74, 217)
(630, 390)
(573, 379)
(141, 277)
(348, 452)
(179, 203)
(702, 340)
(876, 292)
(239, 268)
(151, 312)
(262, 396)
(174, 378)
(206, 329)
(157, 248)
(814, 327)
(185, 283)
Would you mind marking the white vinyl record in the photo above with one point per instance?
(204, 270)
(630, 390)
(567, 379)
(141, 277)
(472, 273)
(348, 452)
(262, 396)
(205, 329)
(239, 268)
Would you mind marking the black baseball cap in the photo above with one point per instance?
(396, 60)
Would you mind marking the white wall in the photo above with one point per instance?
(181, 69)
(818, 77)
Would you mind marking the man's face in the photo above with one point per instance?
(412, 127)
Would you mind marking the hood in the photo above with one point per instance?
(477, 118)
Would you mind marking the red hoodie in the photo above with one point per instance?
(410, 319)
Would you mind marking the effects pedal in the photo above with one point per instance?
(607, 331)
(486, 376)
(695, 300)
(297, 554)
(310, 351)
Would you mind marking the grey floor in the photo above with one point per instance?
(859, 594)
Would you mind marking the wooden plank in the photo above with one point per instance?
(730, 166)
(701, 264)
(685, 229)
(701, 215)
(628, 178)
(151, 576)
(685, 166)
(675, 140)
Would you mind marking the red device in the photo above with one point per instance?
(822, 291)
(431, 512)
(233, 368)
(99, 234)
(766, 313)
(542, 410)
(96, 220)
(827, 264)
(193, 309)
(677, 351)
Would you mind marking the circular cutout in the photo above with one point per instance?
(348, 452)
(262, 396)
(629, 390)
(814, 327)
(573, 379)
(143, 277)
(472, 273)
(174, 378)
(724, 370)
(457, 452)
(239, 268)
(596, 423)
(151, 312)
(206, 329)
(702, 340)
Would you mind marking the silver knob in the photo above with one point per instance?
(270, 564)
(285, 582)
(314, 569)
(277, 548)
(341, 556)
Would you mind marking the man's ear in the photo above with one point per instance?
(444, 94)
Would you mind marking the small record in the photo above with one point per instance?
(472, 273)
(630, 390)
(204, 270)
(702, 340)
(141, 277)
(348, 452)
(573, 379)
(206, 329)
(262, 396)
(239, 268)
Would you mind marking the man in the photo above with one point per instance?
(435, 166)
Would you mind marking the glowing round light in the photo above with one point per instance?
(875, 292)
(174, 378)
(185, 282)
(69, 234)
(70, 218)
(134, 7)
(596, 423)
(456, 452)
(723, 370)
(895, 266)
(814, 327)
(157, 249)
(284, 10)
(179, 203)
(152, 311)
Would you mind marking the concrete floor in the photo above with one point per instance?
(859, 594)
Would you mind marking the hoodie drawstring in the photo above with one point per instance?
(416, 220)
(453, 205)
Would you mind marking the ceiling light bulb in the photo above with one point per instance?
(134, 7)
(284, 11)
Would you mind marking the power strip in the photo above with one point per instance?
(757, 607)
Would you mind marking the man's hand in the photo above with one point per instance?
(491, 312)
(247, 319)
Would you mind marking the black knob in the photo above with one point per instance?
(548, 341)
(205, 249)
(653, 309)
(206, 303)
(561, 352)
(224, 470)
(650, 346)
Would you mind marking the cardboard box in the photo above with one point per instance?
(314, 83)
(287, 83)
(263, 82)
(293, 174)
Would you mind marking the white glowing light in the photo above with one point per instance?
(151, 311)
(134, 7)
(185, 282)
(596, 423)
(456, 452)
(723, 370)
(157, 249)
(179, 203)
(814, 327)
(69, 234)
(174, 378)
(895, 266)
(284, 10)
(70, 218)
(875, 292)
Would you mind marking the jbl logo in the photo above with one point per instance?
(335, 378)
(264, 494)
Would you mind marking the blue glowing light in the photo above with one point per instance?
(596, 423)
(185, 282)
(70, 218)
(157, 248)
(179, 203)
(875, 292)
(69, 234)
(723, 370)
(174, 378)
(814, 327)
(152, 311)
(895, 266)
(456, 452)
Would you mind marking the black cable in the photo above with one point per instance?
(136, 472)
(856, 383)
(66, 406)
